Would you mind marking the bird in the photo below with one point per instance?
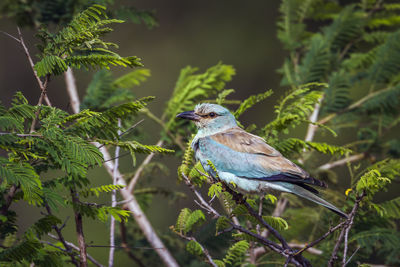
(244, 161)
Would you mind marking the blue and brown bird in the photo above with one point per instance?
(246, 160)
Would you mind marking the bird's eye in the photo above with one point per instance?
(212, 114)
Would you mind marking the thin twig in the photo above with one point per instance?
(131, 128)
(114, 203)
(61, 238)
(354, 105)
(39, 104)
(205, 251)
(22, 135)
(287, 261)
(315, 242)
(139, 170)
(26, 51)
(352, 255)
(346, 243)
(124, 244)
(161, 122)
(72, 245)
(11, 36)
(341, 162)
(126, 131)
(347, 225)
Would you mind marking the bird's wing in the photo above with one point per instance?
(242, 141)
(248, 156)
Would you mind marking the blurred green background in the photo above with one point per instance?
(196, 33)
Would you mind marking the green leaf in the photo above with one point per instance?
(251, 101)
(194, 248)
(276, 222)
(236, 252)
(215, 190)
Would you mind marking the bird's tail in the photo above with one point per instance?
(301, 192)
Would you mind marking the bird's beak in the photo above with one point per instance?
(189, 115)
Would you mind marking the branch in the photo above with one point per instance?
(39, 104)
(270, 244)
(315, 242)
(240, 200)
(162, 124)
(22, 135)
(205, 251)
(72, 90)
(347, 226)
(72, 245)
(114, 203)
(312, 128)
(124, 244)
(40, 83)
(341, 162)
(139, 170)
(61, 238)
(8, 200)
(79, 230)
(354, 105)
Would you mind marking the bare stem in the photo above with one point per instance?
(28, 55)
(177, 141)
(72, 90)
(205, 251)
(140, 169)
(79, 230)
(341, 162)
(347, 226)
(39, 104)
(114, 203)
(61, 238)
(124, 244)
(312, 128)
(354, 105)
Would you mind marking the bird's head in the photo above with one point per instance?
(210, 117)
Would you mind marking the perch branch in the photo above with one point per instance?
(273, 246)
